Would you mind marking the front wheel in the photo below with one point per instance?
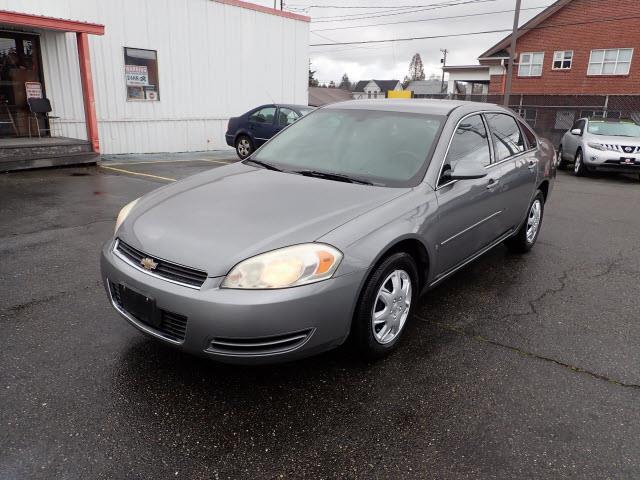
(385, 306)
(528, 233)
(579, 169)
(244, 147)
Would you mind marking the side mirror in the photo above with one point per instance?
(576, 131)
(464, 172)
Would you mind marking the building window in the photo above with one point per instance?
(562, 59)
(141, 74)
(530, 64)
(614, 61)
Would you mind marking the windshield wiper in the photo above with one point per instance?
(331, 176)
(260, 163)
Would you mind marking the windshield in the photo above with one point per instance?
(304, 111)
(382, 147)
(621, 129)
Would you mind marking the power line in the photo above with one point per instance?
(465, 34)
(425, 20)
(362, 16)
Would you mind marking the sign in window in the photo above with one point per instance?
(141, 74)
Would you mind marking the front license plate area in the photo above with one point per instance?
(139, 305)
(628, 161)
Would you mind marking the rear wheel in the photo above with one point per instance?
(562, 164)
(528, 233)
(244, 147)
(385, 306)
(579, 169)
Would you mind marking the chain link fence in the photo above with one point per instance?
(552, 115)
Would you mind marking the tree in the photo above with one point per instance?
(313, 82)
(345, 83)
(416, 70)
(332, 84)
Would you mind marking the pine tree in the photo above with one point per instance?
(313, 82)
(416, 70)
(345, 83)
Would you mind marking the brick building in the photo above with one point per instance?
(561, 51)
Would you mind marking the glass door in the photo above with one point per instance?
(20, 78)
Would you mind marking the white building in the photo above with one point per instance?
(137, 76)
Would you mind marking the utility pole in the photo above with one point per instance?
(281, 4)
(512, 53)
(443, 61)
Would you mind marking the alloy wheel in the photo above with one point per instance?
(578, 163)
(391, 307)
(533, 220)
(244, 147)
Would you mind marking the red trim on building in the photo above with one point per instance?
(87, 90)
(50, 23)
(260, 8)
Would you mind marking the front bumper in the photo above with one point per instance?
(240, 326)
(230, 139)
(610, 161)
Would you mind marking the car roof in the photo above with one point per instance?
(424, 106)
(294, 106)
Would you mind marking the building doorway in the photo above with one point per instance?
(20, 77)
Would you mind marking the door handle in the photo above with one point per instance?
(493, 183)
(532, 164)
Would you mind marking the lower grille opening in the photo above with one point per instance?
(259, 345)
(172, 325)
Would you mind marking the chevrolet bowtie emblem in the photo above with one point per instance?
(148, 263)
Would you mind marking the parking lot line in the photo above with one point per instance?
(170, 161)
(122, 170)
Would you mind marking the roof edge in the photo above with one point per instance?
(50, 23)
(261, 9)
(536, 20)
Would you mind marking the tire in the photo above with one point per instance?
(368, 328)
(562, 164)
(579, 169)
(244, 146)
(525, 238)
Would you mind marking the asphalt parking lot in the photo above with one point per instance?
(517, 367)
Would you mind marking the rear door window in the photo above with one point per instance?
(264, 115)
(532, 141)
(507, 137)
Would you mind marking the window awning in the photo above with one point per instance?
(49, 23)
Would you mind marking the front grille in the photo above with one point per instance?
(172, 325)
(165, 269)
(621, 148)
(259, 345)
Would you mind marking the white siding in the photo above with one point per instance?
(214, 60)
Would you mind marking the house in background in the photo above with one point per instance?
(375, 88)
(319, 96)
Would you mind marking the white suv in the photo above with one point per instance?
(601, 145)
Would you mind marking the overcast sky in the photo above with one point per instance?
(391, 60)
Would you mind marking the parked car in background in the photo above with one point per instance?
(331, 230)
(610, 145)
(249, 131)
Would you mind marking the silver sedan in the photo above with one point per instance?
(601, 145)
(328, 232)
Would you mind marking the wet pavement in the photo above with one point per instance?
(518, 366)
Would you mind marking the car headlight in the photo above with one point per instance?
(124, 212)
(285, 267)
(597, 146)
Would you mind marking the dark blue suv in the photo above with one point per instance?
(247, 132)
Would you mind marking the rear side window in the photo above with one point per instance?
(470, 144)
(507, 137)
(264, 115)
(531, 137)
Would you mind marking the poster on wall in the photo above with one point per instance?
(136, 75)
(33, 89)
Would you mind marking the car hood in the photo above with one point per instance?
(614, 140)
(214, 220)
